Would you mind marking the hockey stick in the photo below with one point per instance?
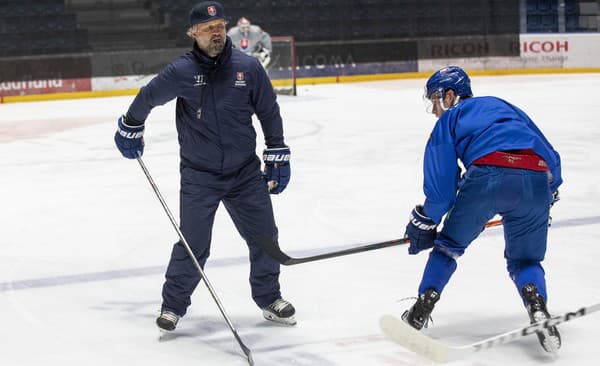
(245, 349)
(403, 334)
(276, 253)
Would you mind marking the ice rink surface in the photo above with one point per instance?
(85, 242)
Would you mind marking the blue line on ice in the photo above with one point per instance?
(218, 262)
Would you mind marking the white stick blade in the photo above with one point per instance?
(399, 332)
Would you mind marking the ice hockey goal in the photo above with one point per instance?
(282, 68)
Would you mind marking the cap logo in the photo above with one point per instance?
(212, 11)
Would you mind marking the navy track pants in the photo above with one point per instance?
(246, 198)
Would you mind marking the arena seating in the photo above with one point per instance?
(105, 25)
(39, 27)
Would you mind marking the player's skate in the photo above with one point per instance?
(418, 315)
(536, 307)
(166, 322)
(280, 311)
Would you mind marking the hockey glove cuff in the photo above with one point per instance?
(129, 139)
(277, 168)
(421, 231)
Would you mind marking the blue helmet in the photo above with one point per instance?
(451, 77)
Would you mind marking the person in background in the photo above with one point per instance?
(218, 89)
(252, 40)
(511, 170)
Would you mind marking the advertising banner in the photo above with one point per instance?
(536, 51)
(121, 82)
(12, 88)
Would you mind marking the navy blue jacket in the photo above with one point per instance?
(474, 128)
(216, 99)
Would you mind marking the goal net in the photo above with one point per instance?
(282, 68)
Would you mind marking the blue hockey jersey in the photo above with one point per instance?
(474, 128)
(216, 99)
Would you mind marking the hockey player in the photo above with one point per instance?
(218, 89)
(511, 170)
(252, 40)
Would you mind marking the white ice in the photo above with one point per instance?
(84, 241)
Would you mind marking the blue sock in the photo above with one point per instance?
(530, 273)
(438, 271)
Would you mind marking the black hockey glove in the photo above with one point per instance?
(421, 231)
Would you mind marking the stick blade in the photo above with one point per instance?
(408, 337)
(272, 249)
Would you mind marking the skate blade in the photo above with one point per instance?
(165, 335)
(291, 321)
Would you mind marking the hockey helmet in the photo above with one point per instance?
(243, 24)
(451, 77)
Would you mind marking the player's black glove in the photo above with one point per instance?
(277, 168)
(421, 231)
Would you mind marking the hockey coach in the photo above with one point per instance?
(218, 89)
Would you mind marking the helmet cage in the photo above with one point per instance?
(448, 78)
(437, 96)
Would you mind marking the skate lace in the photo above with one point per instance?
(172, 317)
(279, 305)
(407, 298)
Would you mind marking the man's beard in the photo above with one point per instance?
(216, 47)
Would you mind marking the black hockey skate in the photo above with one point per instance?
(536, 307)
(280, 311)
(167, 321)
(419, 314)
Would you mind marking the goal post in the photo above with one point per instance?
(282, 68)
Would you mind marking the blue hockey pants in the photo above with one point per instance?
(522, 198)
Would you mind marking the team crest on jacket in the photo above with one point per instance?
(240, 79)
(212, 11)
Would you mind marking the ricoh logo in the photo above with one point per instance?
(32, 84)
(464, 49)
(545, 46)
